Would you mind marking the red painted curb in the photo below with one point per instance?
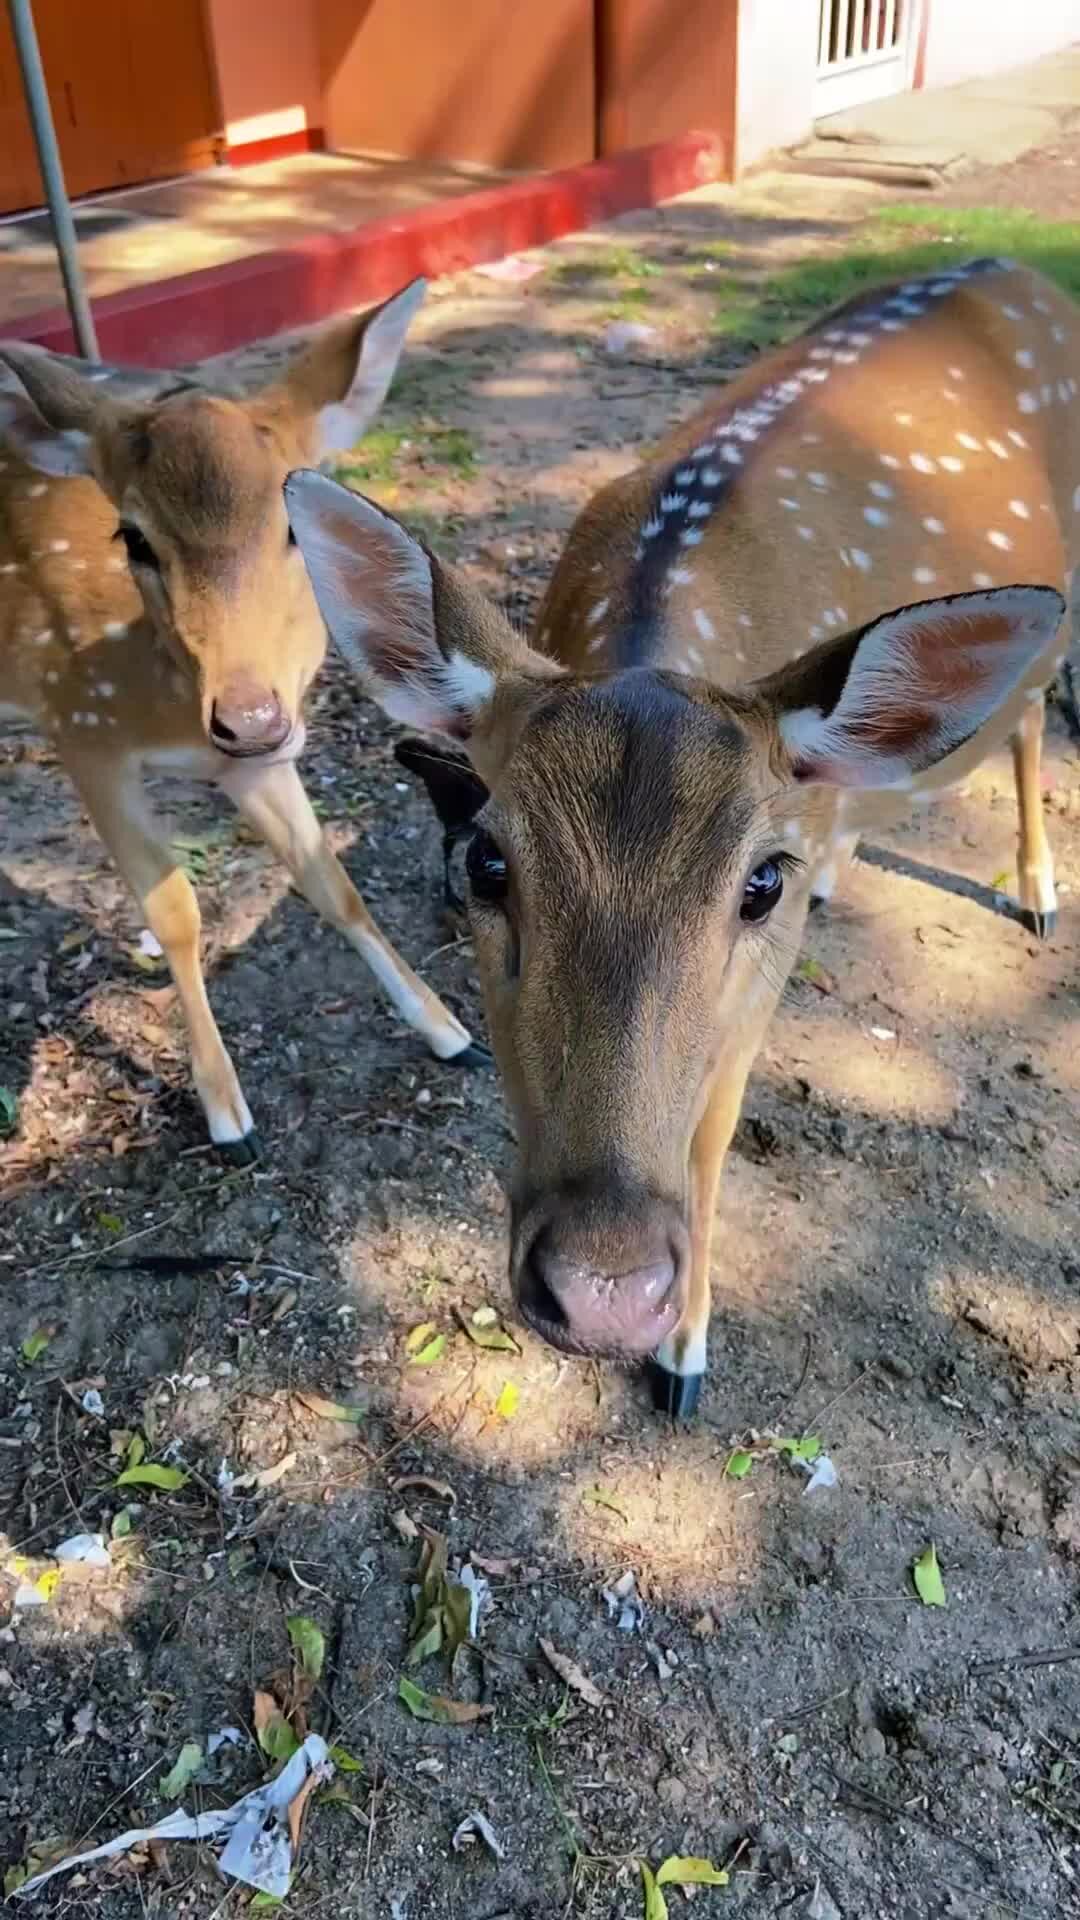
(170, 322)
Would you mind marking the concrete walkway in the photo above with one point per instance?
(947, 130)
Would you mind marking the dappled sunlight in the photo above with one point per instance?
(1040, 1334)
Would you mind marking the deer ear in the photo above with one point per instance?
(344, 376)
(427, 645)
(48, 421)
(876, 707)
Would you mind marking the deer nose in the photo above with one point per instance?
(575, 1306)
(247, 719)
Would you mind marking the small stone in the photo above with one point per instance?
(900, 1368)
(671, 1792)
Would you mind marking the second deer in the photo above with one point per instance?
(155, 615)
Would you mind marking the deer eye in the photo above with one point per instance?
(486, 869)
(762, 890)
(139, 551)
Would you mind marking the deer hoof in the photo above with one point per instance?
(1042, 925)
(675, 1394)
(241, 1153)
(474, 1055)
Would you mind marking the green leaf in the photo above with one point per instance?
(309, 1644)
(9, 1111)
(433, 1351)
(111, 1222)
(121, 1524)
(277, 1739)
(926, 1574)
(345, 1762)
(656, 1907)
(419, 1336)
(264, 1900)
(810, 969)
(484, 1330)
(180, 1776)
(507, 1403)
(168, 1479)
(685, 1870)
(136, 1450)
(739, 1465)
(428, 1641)
(436, 1708)
(35, 1344)
(807, 1448)
(457, 1613)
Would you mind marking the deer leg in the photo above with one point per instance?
(119, 807)
(841, 855)
(273, 800)
(677, 1368)
(1038, 901)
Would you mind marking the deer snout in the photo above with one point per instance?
(624, 1305)
(247, 719)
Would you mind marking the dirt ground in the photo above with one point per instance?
(897, 1274)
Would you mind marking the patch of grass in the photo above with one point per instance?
(388, 455)
(614, 263)
(902, 242)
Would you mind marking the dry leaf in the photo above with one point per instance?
(404, 1524)
(569, 1671)
(330, 1409)
(440, 1488)
(437, 1708)
(270, 1476)
(297, 1810)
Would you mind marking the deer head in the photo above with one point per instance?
(196, 480)
(637, 871)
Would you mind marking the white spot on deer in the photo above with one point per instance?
(114, 629)
(595, 646)
(881, 489)
(672, 502)
(9, 566)
(922, 463)
(711, 477)
(681, 576)
(597, 612)
(1028, 402)
(957, 373)
(745, 620)
(699, 509)
(924, 576)
(819, 480)
(817, 633)
(904, 419)
(1064, 392)
(791, 505)
(1047, 392)
(685, 477)
(894, 326)
(1024, 357)
(862, 560)
(846, 359)
(692, 654)
(652, 527)
(785, 473)
(950, 393)
(39, 487)
(703, 624)
(888, 460)
(821, 353)
(106, 688)
(969, 441)
(1041, 306)
(59, 546)
(811, 439)
(999, 450)
(933, 525)
(806, 533)
(1017, 438)
(42, 639)
(1020, 508)
(982, 579)
(691, 538)
(1012, 313)
(731, 455)
(876, 516)
(52, 676)
(115, 565)
(1002, 540)
(950, 463)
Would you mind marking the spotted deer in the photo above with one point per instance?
(811, 603)
(155, 615)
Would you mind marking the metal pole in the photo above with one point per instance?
(48, 153)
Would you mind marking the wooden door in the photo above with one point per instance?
(131, 89)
